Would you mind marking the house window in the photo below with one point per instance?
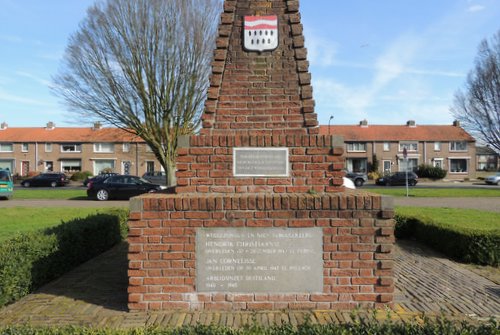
(150, 166)
(410, 146)
(410, 164)
(24, 147)
(356, 147)
(71, 148)
(458, 165)
(71, 165)
(104, 147)
(437, 146)
(438, 162)
(104, 165)
(387, 146)
(6, 147)
(48, 147)
(458, 146)
(126, 147)
(356, 165)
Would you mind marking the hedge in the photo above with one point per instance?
(441, 326)
(462, 244)
(30, 260)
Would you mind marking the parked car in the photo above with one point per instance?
(119, 187)
(156, 177)
(398, 178)
(6, 184)
(99, 176)
(358, 178)
(493, 180)
(46, 179)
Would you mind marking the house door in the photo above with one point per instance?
(387, 167)
(25, 168)
(126, 167)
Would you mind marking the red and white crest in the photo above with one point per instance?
(260, 33)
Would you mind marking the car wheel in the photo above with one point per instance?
(102, 195)
(358, 182)
(53, 184)
(387, 183)
(412, 183)
(26, 184)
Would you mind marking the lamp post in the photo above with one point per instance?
(331, 118)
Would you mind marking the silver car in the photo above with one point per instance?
(493, 180)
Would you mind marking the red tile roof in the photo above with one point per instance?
(381, 133)
(72, 135)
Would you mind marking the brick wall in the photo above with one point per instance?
(358, 238)
(254, 93)
(205, 164)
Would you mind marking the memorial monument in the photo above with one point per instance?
(260, 219)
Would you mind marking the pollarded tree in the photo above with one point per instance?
(142, 66)
(478, 105)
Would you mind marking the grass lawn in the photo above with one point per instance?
(437, 192)
(456, 217)
(22, 219)
(54, 194)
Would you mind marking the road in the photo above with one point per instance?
(62, 203)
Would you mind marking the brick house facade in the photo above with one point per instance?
(447, 146)
(26, 150)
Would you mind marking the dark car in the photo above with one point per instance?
(358, 178)
(99, 176)
(46, 179)
(119, 187)
(398, 178)
(156, 177)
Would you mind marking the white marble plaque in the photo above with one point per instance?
(260, 162)
(246, 260)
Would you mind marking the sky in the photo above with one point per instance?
(386, 61)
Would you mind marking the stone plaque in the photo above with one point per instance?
(260, 162)
(247, 260)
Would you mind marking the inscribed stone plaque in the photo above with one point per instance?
(260, 162)
(246, 260)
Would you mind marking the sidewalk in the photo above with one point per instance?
(95, 294)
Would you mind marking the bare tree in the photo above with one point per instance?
(478, 105)
(142, 66)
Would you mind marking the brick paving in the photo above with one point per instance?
(95, 294)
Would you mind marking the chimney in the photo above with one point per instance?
(50, 125)
(411, 124)
(363, 123)
(97, 125)
(456, 123)
(4, 126)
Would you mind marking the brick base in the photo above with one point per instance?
(358, 239)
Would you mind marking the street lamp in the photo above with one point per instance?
(331, 118)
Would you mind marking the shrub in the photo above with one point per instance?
(431, 172)
(463, 244)
(373, 175)
(30, 260)
(79, 176)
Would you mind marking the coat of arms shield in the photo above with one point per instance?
(261, 33)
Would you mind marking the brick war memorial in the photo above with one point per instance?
(260, 219)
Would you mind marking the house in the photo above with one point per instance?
(447, 146)
(487, 159)
(26, 150)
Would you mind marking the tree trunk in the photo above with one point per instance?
(170, 172)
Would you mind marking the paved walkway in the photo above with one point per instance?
(95, 294)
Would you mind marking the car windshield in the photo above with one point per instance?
(4, 176)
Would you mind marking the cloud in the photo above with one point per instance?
(321, 51)
(35, 78)
(9, 98)
(475, 8)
